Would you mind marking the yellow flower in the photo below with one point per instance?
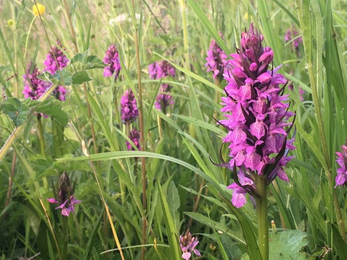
(246, 16)
(10, 23)
(38, 9)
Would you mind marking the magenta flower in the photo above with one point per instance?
(188, 244)
(256, 115)
(165, 69)
(112, 58)
(56, 59)
(152, 70)
(65, 200)
(341, 177)
(216, 59)
(290, 34)
(163, 99)
(301, 93)
(161, 69)
(33, 86)
(240, 191)
(67, 206)
(135, 137)
(129, 111)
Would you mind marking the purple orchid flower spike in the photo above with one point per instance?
(216, 59)
(293, 34)
(112, 59)
(135, 137)
(341, 177)
(56, 60)
(163, 99)
(165, 69)
(153, 70)
(158, 70)
(188, 244)
(66, 199)
(129, 110)
(257, 116)
(161, 69)
(34, 87)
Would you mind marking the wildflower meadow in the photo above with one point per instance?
(167, 130)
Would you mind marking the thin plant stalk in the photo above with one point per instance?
(142, 139)
(57, 138)
(10, 181)
(65, 236)
(41, 135)
(160, 127)
(262, 215)
(185, 32)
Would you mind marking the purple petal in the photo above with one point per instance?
(186, 255)
(52, 200)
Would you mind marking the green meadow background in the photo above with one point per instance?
(134, 208)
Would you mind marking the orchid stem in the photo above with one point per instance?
(261, 204)
(41, 135)
(65, 235)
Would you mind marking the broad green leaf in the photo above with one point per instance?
(52, 107)
(16, 110)
(60, 78)
(80, 77)
(83, 61)
(287, 245)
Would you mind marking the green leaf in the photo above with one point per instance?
(208, 25)
(171, 228)
(173, 198)
(247, 229)
(60, 78)
(191, 74)
(51, 107)
(215, 225)
(287, 244)
(83, 61)
(80, 77)
(16, 110)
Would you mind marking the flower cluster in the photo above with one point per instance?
(256, 117)
(129, 111)
(33, 86)
(216, 59)
(158, 70)
(161, 69)
(290, 34)
(112, 58)
(135, 138)
(66, 199)
(163, 100)
(188, 244)
(56, 60)
(341, 177)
